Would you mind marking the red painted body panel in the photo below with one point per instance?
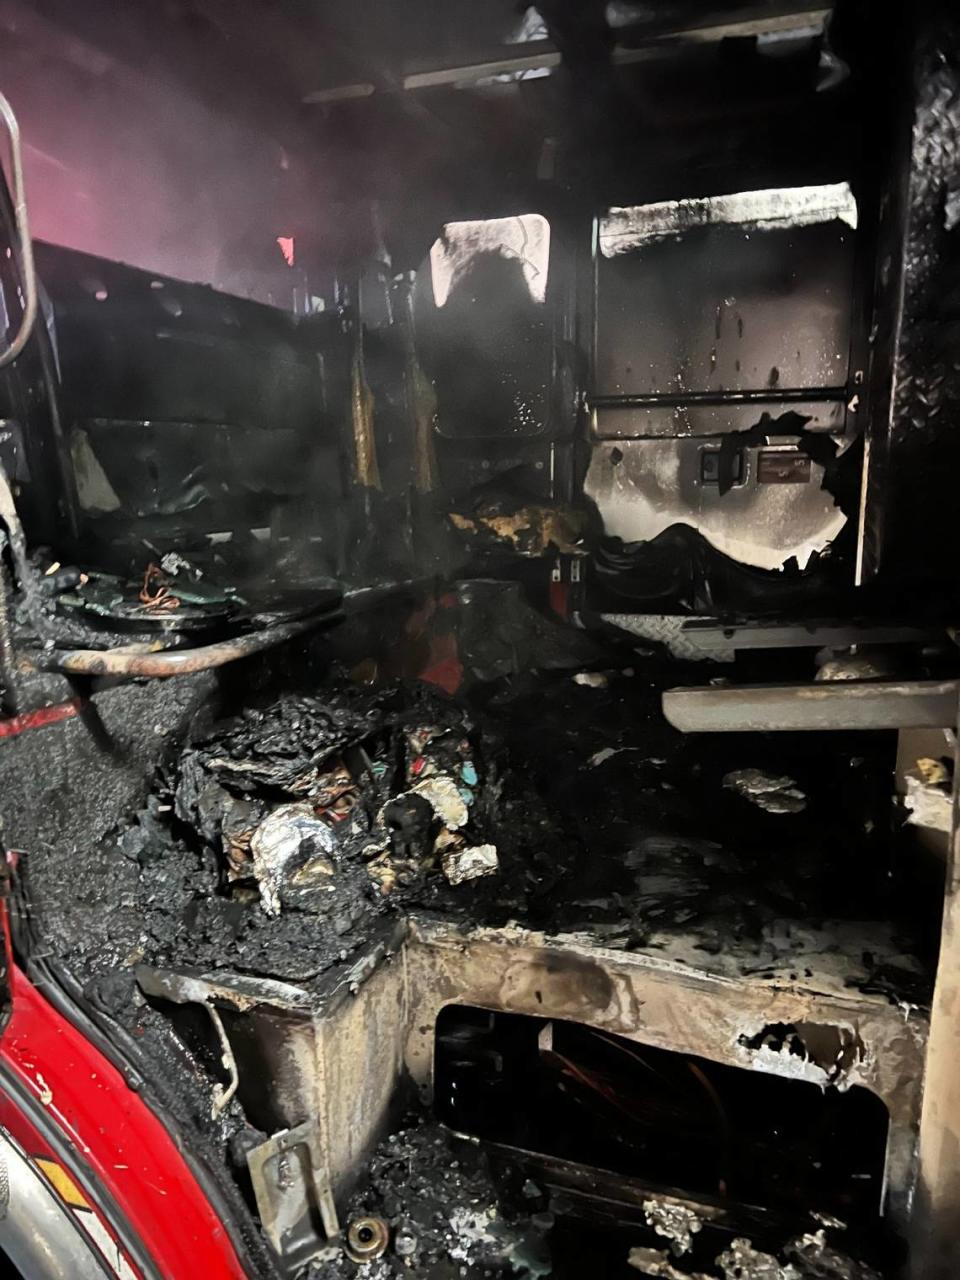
(132, 1159)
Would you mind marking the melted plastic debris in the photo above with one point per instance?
(808, 1257)
(773, 794)
(445, 798)
(381, 777)
(814, 1259)
(675, 1222)
(291, 842)
(591, 679)
(274, 843)
(656, 1262)
(470, 863)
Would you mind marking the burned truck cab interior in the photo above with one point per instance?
(478, 662)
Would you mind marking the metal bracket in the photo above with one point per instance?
(291, 1182)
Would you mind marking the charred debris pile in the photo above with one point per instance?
(273, 842)
(437, 1206)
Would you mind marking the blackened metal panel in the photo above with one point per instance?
(134, 345)
(726, 308)
(908, 522)
(717, 317)
(193, 415)
(673, 418)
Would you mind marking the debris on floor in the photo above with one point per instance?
(928, 805)
(470, 863)
(743, 1262)
(935, 773)
(807, 1257)
(440, 1207)
(499, 633)
(871, 665)
(273, 841)
(815, 1259)
(591, 679)
(766, 791)
(656, 1262)
(385, 774)
(531, 530)
(431, 1205)
(675, 1222)
(377, 777)
(607, 753)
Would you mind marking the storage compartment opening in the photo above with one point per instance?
(678, 1122)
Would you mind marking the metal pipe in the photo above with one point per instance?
(133, 661)
(27, 269)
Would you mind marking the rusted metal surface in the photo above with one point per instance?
(847, 704)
